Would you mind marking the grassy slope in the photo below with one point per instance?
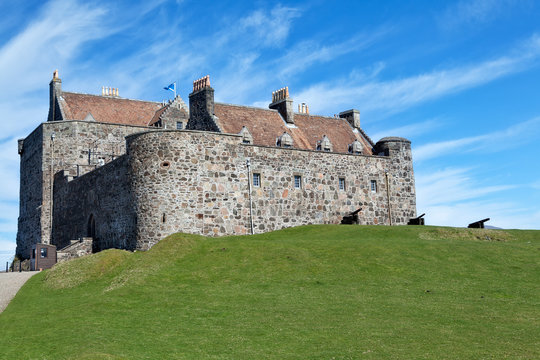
(318, 292)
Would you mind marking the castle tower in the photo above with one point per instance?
(399, 176)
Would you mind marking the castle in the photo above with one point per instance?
(123, 173)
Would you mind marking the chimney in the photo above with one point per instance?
(352, 116)
(283, 104)
(55, 90)
(201, 106)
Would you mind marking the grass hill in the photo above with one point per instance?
(313, 292)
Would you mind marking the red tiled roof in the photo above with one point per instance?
(266, 125)
(108, 109)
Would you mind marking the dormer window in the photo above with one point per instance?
(285, 140)
(246, 136)
(324, 144)
(355, 148)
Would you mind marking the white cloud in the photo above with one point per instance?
(495, 141)
(472, 12)
(408, 131)
(9, 168)
(309, 52)
(454, 197)
(505, 215)
(271, 29)
(397, 95)
(451, 185)
(62, 27)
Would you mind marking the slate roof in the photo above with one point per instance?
(108, 109)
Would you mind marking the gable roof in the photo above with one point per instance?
(267, 125)
(108, 109)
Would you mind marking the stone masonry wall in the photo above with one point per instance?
(197, 182)
(31, 193)
(102, 195)
(78, 147)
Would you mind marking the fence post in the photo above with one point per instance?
(20, 265)
(7, 262)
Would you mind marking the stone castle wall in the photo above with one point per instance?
(102, 196)
(197, 182)
(31, 193)
(78, 147)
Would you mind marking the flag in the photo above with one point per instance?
(171, 87)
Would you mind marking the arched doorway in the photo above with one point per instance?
(91, 232)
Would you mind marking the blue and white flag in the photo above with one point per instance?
(171, 87)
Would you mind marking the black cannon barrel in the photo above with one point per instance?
(352, 218)
(478, 224)
(421, 216)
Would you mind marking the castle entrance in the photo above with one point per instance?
(91, 232)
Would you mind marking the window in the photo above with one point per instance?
(373, 185)
(246, 141)
(179, 125)
(297, 181)
(341, 183)
(256, 179)
(43, 252)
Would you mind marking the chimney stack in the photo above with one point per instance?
(352, 116)
(283, 104)
(201, 106)
(55, 90)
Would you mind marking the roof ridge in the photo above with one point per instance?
(111, 97)
(322, 116)
(246, 106)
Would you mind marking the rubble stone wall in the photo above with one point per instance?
(101, 197)
(78, 147)
(197, 182)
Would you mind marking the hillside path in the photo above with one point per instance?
(10, 283)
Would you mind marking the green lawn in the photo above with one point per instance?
(313, 292)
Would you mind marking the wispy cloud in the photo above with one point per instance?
(410, 130)
(309, 52)
(396, 95)
(61, 28)
(455, 197)
(451, 185)
(523, 133)
(472, 12)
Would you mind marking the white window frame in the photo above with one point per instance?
(297, 181)
(373, 186)
(256, 179)
(341, 183)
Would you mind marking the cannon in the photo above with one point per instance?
(478, 224)
(352, 218)
(417, 220)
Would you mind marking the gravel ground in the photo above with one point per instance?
(10, 283)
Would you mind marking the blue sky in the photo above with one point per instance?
(459, 79)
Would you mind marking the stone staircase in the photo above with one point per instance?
(77, 248)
